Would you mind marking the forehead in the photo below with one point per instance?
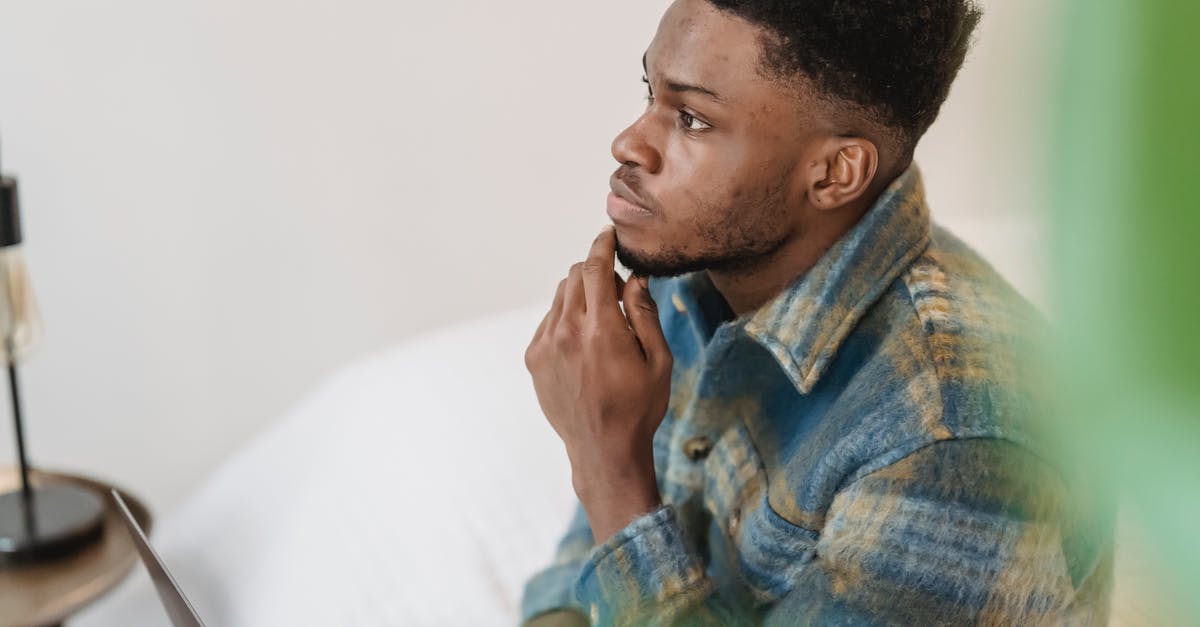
(698, 44)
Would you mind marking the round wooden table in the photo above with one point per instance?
(44, 595)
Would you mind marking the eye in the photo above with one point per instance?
(690, 122)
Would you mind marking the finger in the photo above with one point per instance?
(618, 284)
(599, 289)
(573, 300)
(642, 312)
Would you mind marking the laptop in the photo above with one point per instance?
(179, 610)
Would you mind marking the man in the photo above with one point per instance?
(816, 412)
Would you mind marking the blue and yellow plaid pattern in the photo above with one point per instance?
(862, 450)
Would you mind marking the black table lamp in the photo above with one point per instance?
(42, 522)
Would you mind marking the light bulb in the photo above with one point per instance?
(20, 323)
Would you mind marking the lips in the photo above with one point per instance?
(623, 204)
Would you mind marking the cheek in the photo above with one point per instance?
(705, 177)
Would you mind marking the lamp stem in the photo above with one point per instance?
(26, 490)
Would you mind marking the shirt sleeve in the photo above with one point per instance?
(552, 589)
(959, 532)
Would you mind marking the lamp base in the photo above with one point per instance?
(63, 520)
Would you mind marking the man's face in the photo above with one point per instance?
(705, 175)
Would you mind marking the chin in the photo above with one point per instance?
(638, 261)
(658, 264)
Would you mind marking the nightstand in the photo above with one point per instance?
(45, 595)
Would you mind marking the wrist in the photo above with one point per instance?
(603, 478)
(615, 499)
(605, 521)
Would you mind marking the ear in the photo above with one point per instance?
(842, 172)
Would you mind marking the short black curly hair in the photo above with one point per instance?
(895, 59)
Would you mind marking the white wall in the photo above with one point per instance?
(226, 199)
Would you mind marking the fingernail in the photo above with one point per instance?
(644, 282)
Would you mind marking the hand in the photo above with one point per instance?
(603, 379)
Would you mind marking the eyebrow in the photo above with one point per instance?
(678, 87)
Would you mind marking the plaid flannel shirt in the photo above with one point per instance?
(860, 450)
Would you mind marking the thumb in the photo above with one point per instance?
(642, 312)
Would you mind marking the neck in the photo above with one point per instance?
(749, 289)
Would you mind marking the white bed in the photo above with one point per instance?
(419, 487)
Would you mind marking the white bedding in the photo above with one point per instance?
(421, 487)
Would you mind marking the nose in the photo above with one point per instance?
(634, 149)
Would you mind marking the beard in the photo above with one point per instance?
(666, 262)
(729, 238)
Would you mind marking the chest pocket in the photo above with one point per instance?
(765, 552)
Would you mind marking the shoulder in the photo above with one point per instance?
(960, 346)
(944, 354)
(980, 337)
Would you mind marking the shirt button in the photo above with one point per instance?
(595, 612)
(678, 302)
(735, 519)
(697, 448)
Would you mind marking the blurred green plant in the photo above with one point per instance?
(1126, 284)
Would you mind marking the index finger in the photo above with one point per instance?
(599, 289)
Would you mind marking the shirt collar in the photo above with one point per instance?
(804, 326)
